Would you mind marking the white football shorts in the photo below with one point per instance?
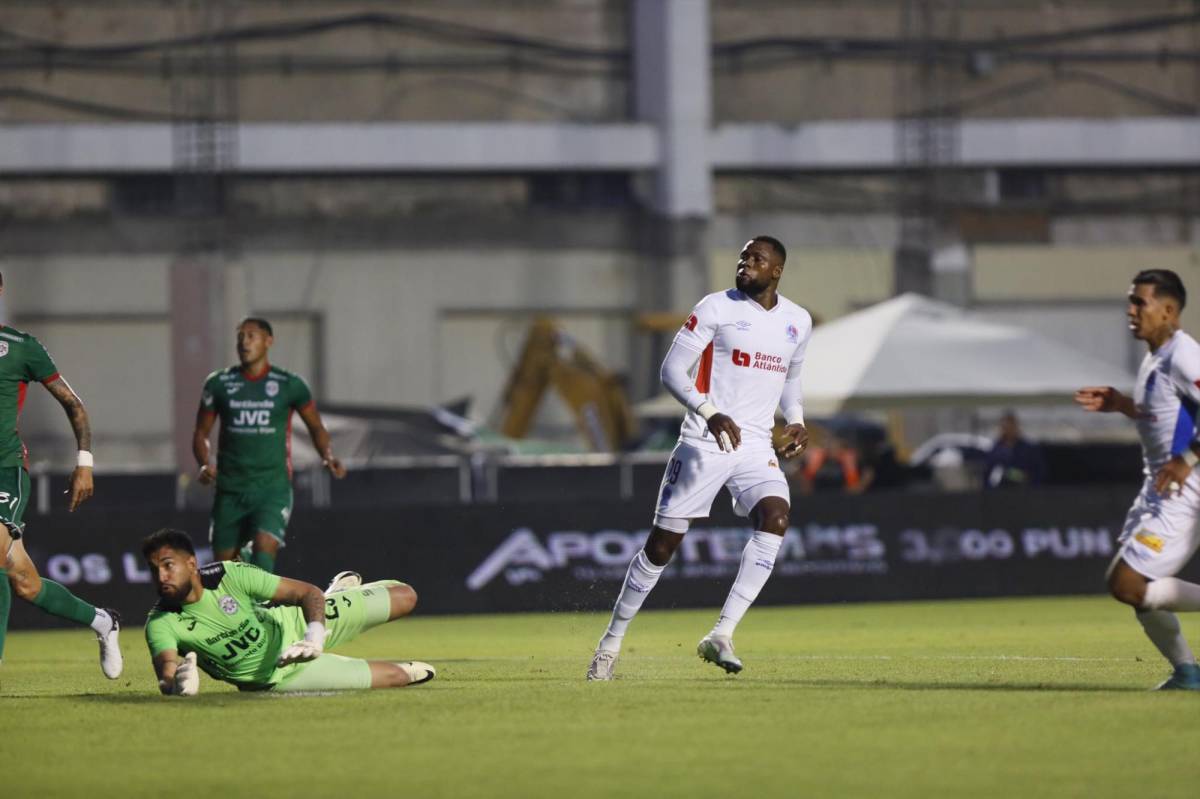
(1159, 536)
(694, 476)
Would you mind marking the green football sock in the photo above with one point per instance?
(5, 602)
(55, 599)
(264, 561)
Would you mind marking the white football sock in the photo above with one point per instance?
(1169, 593)
(1162, 628)
(641, 577)
(758, 559)
(102, 622)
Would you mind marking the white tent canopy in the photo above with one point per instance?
(913, 351)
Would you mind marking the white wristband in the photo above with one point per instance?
(84, 458)
(707, 410)
(1190, 457)
(315, 633)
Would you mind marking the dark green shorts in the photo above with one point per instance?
(14, 498)
(238, 517)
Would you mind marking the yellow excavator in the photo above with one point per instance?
(552, 358)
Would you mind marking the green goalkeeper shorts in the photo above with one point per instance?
(347, 614)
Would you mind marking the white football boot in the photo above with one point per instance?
(417, 671)
(111, 661)
(342, 581)
(718, 649)
(602, 665)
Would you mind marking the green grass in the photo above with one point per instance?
(1002, 698)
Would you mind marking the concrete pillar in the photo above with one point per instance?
(672, 88)
(197, 319)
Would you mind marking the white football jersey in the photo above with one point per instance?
(1167, 396)
(745, 354)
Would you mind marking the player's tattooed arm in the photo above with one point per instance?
(76, 413)
(81, 479)
(304, 595)
(312, 601)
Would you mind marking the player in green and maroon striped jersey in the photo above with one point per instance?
(254, 401)
(23, 360)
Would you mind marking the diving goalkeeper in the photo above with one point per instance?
(209, 619)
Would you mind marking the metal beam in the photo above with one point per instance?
(316, 147)
(866, 145)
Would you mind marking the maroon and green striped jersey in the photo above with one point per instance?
(254, 448)
(23, 360)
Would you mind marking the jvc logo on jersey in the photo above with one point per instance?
(741, 358)
(252, 418)
(236, 646)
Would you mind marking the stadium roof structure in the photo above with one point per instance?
(911, 351)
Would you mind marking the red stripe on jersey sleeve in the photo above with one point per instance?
(22, 387)
(307, 405)
(704, 373)
(51, 379)
(207, 412)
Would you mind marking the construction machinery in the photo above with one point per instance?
(552, 358)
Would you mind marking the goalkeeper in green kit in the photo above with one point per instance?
(210, 618)
(254, 401)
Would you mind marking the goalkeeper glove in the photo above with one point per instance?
(187, 677)
(300, 652)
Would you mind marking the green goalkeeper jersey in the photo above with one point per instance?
(254, 449)
(235, 639)
(23, 360)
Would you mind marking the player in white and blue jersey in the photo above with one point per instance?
(1160, 535)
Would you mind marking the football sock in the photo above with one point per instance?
(640, 578)
(5, 602)
(264, 561)
(1162, 628)
(1169, 593)
(758, 559)
(55, 599)
(101, 622)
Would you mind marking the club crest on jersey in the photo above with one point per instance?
(228, 605)
(3, 348)
(793, 335)
(272, 388)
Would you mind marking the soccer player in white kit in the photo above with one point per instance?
(1160, 534)
(736, 358)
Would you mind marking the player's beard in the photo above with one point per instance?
(173, 593)
(748, 285)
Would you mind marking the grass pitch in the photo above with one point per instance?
(1043, 697)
